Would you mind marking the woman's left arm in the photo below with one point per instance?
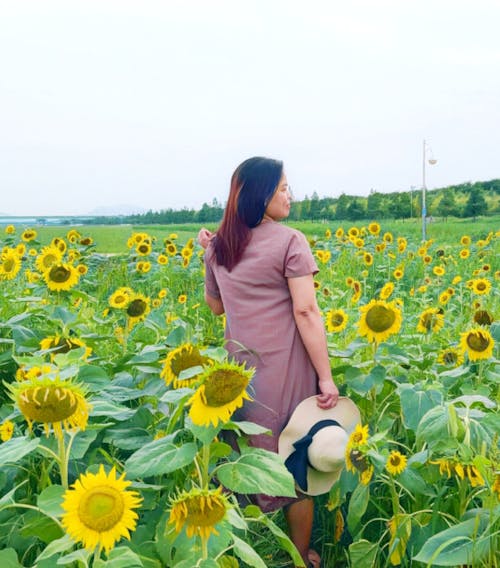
(312, 332)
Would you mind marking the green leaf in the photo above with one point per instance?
(120, 557)
(56, 547)
(416, 403)
(50, 499)
(111, 410)
(363, 553)
(82, 442)
(204, 433)
(257, 471)
(246, 553)
(8, 558)
(357, 506)
(433, 427)
(80, 556)
(37, 524)
(16, 448)
(249, 428)
(159, 457)
(465, 543)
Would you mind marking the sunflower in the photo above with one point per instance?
(222, 390)
(358, 437)
(59, 243)
(431, 319)
(86, 241)
(61, 276)
(481, 286)
(20, 249)
(144, 248)
(374, 228)
(82, 269)
(185, 262)
(171, 249)
(6, 430)
(137, 308)
(28, 235)
(143, 266)
(73, 235)
(339, 233)
(474, 475)
(182, 299)
(387, 290)
(198, 511)
(465, 240)
(396, 463)
(353, 232)
(50, 400)
(57, 344)
(162, 293)
(451, 357)
(328, 234)
(10, 264)
(477, 343)
(483, 317)
(162, 259)
(100, 510)
(388, 238)
(368, 258)
(179, 359)
(444, 297)
(48, 257)
(439, 270)
(356, 460)
(379, 320)
(398, 273)
(464, 253)
(120, 298)
(336, 320)
(10, 230)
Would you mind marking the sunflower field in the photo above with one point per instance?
(115, 387)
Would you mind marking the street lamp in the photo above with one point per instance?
(431, 161)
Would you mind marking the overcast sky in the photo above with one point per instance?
(154, 103)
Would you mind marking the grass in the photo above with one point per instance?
(113, 238)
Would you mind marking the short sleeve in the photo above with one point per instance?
(299, 260)
(211, 286)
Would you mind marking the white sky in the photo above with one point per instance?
(154, 103)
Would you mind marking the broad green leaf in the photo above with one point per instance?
(111, 410)
(465, 543)
(204, 433)
(37, 524)
(433, 427)
(50, 499)
(16, 448)
(120, 557)
(80, 556)
(249, 428)
(82, 442)
(363, 553)
(247, 553)
(160, 457)
(56, 547)
(127, 438)
(8, 558)
(357, 506)
(257, 471)
(416, 403)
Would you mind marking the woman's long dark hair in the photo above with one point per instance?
(253, 184)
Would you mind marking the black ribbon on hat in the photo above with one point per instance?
(297, 461)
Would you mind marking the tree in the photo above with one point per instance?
(375, 205)
(476, 204)
(355, 210)
(341, 209)
(447, 206)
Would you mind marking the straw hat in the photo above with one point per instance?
(313, 446)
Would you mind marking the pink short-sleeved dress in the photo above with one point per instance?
(261, 330)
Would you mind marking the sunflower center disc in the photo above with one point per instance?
(204, 514)
(101, 509)
(59, 274)
(136, 308)
(477, 342)
(48, 404)
(223, 387)
(380, 319)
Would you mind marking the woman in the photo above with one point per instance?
(260, 274)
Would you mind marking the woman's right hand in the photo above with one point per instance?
(204, 237)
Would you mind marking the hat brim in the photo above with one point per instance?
(305, 415)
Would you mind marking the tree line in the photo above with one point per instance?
(463, 200)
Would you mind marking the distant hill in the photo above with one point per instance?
(115, 210)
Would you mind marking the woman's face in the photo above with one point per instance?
(279, 206)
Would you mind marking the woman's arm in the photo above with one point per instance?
(312, 332)
(215, 304)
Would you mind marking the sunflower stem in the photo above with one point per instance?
(63, 461)
(205, 464)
